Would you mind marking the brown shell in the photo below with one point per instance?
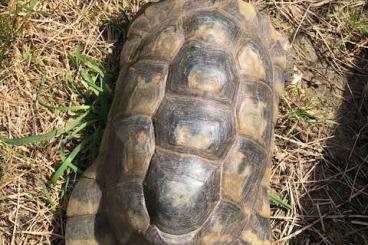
(186, 152)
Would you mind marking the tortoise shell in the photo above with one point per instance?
(185, 155)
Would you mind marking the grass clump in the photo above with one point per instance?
(8, 34)
(11, 25)
(86, 129)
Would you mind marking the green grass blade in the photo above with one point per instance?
(89, 62)
(73, 108)
(59, 108)
(89, 81)
(47, 195)
(45, 136)
(67, 163)
(275, 199)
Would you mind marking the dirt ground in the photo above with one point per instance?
(320, 161)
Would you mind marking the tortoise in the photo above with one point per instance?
(186, 151)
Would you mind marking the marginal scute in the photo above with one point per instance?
(127, 206)
(88, 230)
(190, 5)
(267, 31)
(195, 127)
(255, 111)
(279, 81)
(158, 12)
(129, 51)
(165, 43)
(140, 27)
(248, 11)
(131, 150)
(180, 191)
(257, 231)
(279, 55)
(242, 172)
(262, 205)
(91, 171)
(127, 212)
(211, 28)
(251, 63)
(85, 198)
(137, 31)
(202, 72)
(224, 225)
(144, 88)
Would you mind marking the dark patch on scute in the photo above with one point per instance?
(126, 207)
(180, 191)
(85, 198)
(193, 126)
(89, 227)
(242, 172)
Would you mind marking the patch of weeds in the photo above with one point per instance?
(358, 24)
(297, 114)
(8, 34)
(353, 28)
(79, 138)
(11, 23)
(278, 201)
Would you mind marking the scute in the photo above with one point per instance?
(242, 172)
(257, 231)
(262, 205)
(202, 72)
(211, 28)
(255, 111)
(127, 207)
(248, 11)
(254, 63)
(191, 5)
(194, 126)
(88, 230)
(159, 12)
(224, 225)
(164, 44)
(140, 27)
(180, 191)
(144, 88)
(132, 148)
(85, 198)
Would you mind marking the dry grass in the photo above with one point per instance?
(321, 151)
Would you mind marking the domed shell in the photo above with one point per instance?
(185, 155)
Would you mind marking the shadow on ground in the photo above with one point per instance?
(336, 203)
